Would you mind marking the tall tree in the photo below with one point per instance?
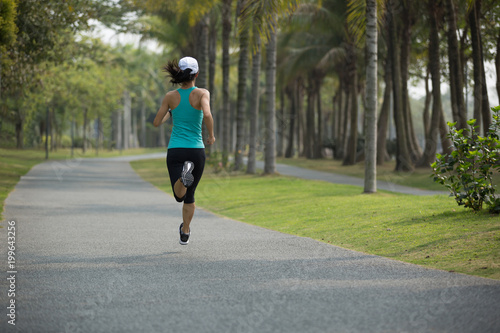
(403, 159)
(270, 133)
(371, 98)
(431, 140)
(226, 35)
(456, 69)
(244, 35)
(254, 105)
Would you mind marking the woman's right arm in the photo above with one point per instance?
(162, 115)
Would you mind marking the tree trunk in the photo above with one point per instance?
(212, 53)
(411, 138)
(119, 130)
(161, 136)
(143, 123)
(497, 66)
(291, 92)
(443, 132)
(310, 132)
(281, 125)
(383, 121)
(226, 35)
(84, 143)
(126, 119)
(318, 139)
(270, 148)
(403, 159)
(485, 108)
(456, 74)
(299, 115)
(201, 80)
(477, 63)
(254, 106)
(135, 140)
(241, 104)
(346, 122)
(371, 98)
(431, 141)
(341, 126)
(351, 152)
(427, 103)
(20, 134)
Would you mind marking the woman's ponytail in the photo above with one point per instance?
(176, 74)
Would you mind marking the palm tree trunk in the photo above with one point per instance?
(346, 122)
(201, 80)
(126, 119)
(497, 65)
(485, 108)
(371, 98)
(456, 74)
(254, 106)
(434, 66)
(318, 142)
(383, 121)
(143, 123)
(340, 127)
(241, 104)
(427, 103)
(411, 138)
(226, 35)
(403, 159)
(291, 92)
(309, 137)
(477, 63)
(119, 130)
(299, 115)
(212, 53)
(270, 146)
(351, 152)
(84, 143)
(281, 125)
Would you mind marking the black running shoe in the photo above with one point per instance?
(187, 177)
(184, 238)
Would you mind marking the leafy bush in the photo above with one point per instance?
(467, 172)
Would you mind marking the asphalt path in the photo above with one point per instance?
(97, 251)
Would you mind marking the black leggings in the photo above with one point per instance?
(175, 162)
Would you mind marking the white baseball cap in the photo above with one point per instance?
(189, 62)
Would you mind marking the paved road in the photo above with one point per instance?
(97, 251)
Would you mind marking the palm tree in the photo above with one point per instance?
(270, 133)
(403, 160)
(265, 14)
(371, 98)
(226, 34)
(254, 104)
(242, 85)
(456, 74)
(435, 67)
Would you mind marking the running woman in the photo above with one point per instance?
(188, 106)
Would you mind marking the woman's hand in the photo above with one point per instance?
(210, 140)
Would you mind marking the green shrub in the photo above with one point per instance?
(467, 172)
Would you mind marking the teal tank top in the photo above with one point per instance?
(186, 132)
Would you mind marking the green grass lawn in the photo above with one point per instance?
(420, 178)
(15, 163)
(429, 231)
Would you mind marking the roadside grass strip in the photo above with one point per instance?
(431, 231)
